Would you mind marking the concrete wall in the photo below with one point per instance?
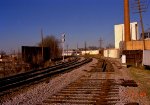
(112, 53)
(119, 33)
(106, 53)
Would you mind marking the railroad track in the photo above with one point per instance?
(34, 72)
(87, 91)
(97, 88)
(93, 89)
(36, 75)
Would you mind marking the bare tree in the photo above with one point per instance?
(53, 44)
(2, 53)
(110, 45)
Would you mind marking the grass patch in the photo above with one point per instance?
(142, 77)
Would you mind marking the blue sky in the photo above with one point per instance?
(81, 20)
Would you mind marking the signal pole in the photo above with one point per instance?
(63, 42)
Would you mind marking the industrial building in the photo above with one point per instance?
(120, 35)
(120, 38)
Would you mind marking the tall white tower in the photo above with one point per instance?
(120, 36)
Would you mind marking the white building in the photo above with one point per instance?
(68, 53)
(71, 53)
(90, 52)
(119, 33)
(112, 53)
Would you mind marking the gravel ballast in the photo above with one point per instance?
(43, 90)
(40, 92)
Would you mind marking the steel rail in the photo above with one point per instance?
(40, 75)
(33, 72)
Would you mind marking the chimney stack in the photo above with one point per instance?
(126, 21)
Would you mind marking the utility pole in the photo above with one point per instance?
(85, 47)
(139, 7)
(42, 42)
(100, 43)
(54, 46)
(67, 49)
(77, 49)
